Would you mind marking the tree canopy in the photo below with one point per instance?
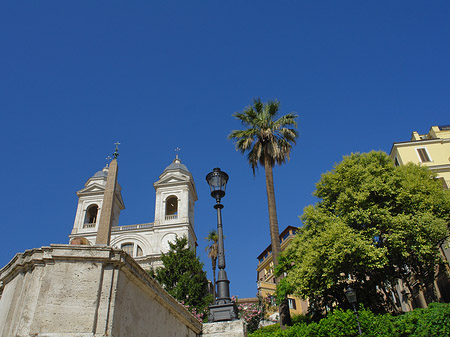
(268, 138)
(182, 275)
(374, 223)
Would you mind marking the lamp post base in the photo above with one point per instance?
(222, 312)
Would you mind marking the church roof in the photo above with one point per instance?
(176, 165)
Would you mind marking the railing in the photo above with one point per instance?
(131, 227)
(171, 217)
(89, 225)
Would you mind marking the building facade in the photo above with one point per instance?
(433, 151)
(174, 215)
(266, 279)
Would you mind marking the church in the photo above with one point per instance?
(97, 285)
(174, 215)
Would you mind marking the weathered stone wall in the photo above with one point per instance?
(236, 328)
(83, 291)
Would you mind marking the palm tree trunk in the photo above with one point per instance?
(214, 281)
(285, 318)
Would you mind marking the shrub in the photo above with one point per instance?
(432, 321)
(251, 313)
(270, 330)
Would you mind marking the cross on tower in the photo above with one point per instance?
(116, 151)
(177, 150)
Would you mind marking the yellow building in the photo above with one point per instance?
(266, 279)
(431, 150)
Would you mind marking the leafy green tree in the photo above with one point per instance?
(182, 275)
(327, 258)
(267, 140)
(213, 251)
(375, 223)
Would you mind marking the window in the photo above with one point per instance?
(396, 163)
(423, 154)
(292, 304)
(139, 251)
(128, 248)
(171, 207)
(91, 214)
(132, 249)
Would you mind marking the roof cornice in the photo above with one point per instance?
(417, 142)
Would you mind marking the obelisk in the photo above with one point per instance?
(105, 221)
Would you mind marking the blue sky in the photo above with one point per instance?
(156, 75)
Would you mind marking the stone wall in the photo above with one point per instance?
(83, 291)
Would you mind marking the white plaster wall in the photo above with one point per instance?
(83, 205)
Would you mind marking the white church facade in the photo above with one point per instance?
(174, 215)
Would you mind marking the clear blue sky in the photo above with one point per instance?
(77, 76)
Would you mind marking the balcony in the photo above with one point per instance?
(89, 225)
(171, 217)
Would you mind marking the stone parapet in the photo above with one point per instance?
(69, 290)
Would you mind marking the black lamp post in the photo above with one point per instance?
(350, 293)
(223, 308)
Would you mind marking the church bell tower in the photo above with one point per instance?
(175, 198)
(90, 206)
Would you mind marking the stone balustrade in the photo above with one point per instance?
(89, 225)
(131, 227)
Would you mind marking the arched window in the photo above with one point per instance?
(171, 207)
(132, 249)
(128, 248)
(139, 251)
(91, 216)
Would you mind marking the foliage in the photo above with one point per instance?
(298, 319)
(270, 330)
(182, 276)
(374, 223)
(432, 321)
(201, 315)
(251, 313)
(267, 137)
(267, 140)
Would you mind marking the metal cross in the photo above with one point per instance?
(108, 159)
(177, 150)
(116, 151)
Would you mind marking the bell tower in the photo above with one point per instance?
(175, 199)
(90, 205)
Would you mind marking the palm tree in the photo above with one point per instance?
(212, 250)
(268, 140)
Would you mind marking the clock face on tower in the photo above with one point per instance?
(170, 237)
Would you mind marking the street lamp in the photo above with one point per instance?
(350, 293)
(223, 309)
